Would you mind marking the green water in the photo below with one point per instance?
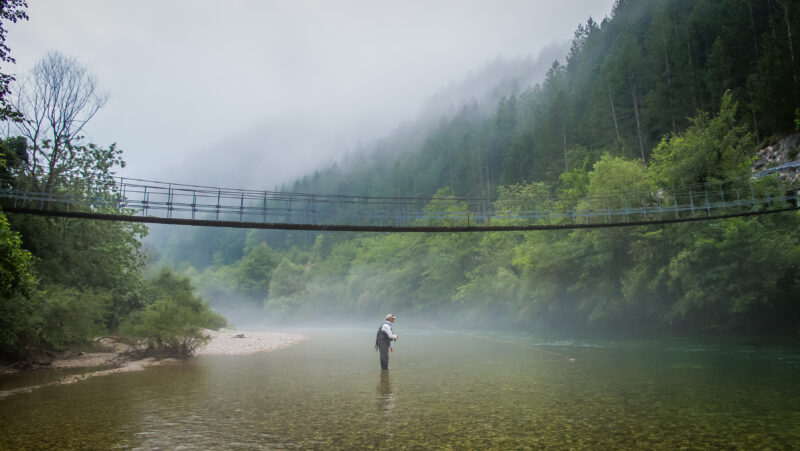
(443, 391)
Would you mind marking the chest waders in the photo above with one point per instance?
(382, 343)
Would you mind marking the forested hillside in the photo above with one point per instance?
(628, 81)
(661, 93)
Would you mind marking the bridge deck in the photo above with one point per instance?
(168, 203)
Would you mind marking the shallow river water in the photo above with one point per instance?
(443, 391)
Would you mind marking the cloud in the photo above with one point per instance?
(245, 92)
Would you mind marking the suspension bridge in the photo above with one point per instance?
(146, 201)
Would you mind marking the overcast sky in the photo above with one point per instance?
(252, 93)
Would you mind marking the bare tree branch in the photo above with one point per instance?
(58, 98)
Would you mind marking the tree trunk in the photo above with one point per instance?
(755, 121)
(772, 19)
(613, 113)
(691, 68)
(564, 135)
(636, 113)
(789, 33)
(669, 82)
(450, 161)
(753, 25)
(533, 147)
(480, 177)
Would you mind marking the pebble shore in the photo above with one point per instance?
(239, 342)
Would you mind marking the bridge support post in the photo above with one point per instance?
(144, 201)
(169, 200)
(219, 195)
(264, 207)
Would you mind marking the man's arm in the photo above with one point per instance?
(387, 329)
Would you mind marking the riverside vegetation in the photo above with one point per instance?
(64, 282)
(661, 93)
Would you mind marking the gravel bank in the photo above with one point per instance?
(238, 342)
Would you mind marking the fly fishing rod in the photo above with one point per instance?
(524, 345)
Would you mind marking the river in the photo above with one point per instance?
(443, 391)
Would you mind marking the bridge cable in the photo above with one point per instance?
(373, 228)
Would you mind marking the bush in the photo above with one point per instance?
(19, 309)
(72, 317)
(168, 328)
(172, 325)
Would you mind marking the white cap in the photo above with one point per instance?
(390, 315)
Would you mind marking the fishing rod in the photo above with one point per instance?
(524, 345)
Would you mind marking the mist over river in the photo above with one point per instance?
(444, 390)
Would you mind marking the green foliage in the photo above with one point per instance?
(523, 197)
(286, 287)
(729, 273)
(19, 310)
(72, 317)
(88, 255)
(13, 157)
(10, 11)
(287, 279)
(446, 210)
(630, 80)
(65, 281)
(172, 324)
(16, 263)
(711, 149)
(662, 94)
(253, 272)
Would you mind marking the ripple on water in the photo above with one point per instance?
(442, 391)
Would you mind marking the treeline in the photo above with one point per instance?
(662, 93)
(735, 275)
(628, 81)
(64, 281)
(68, 281)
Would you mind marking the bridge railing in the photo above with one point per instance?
(145, 198)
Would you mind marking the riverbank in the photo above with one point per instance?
(117, 357)
(240, 342)
(221, 342)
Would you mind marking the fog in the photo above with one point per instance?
(255, 93)
(244, 314)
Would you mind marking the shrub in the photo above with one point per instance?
(72, 316)
(172, 325)
(19, 308)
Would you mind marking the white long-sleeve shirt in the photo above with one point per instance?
(387, 329)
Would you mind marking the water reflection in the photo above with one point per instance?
(385, 395)
(463, 393)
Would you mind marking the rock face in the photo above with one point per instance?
(784, 152)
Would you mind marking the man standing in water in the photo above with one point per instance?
(383, 342)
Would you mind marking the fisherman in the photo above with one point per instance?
(383, 342)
